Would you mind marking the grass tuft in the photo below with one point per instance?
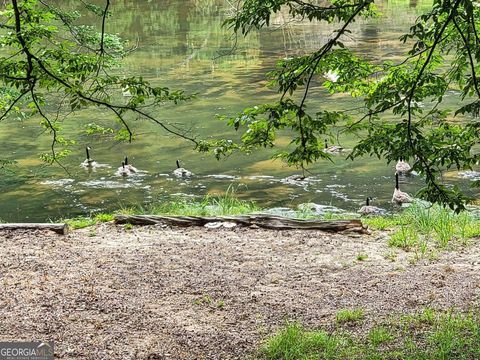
(384, 222)
(80, 222)
(424, 335)
(379, 335)
(86, 221)
(405, 238)
(424, 229)
(210, 205)
(362, 257)
(294, 342)
(104, 217)
(349, 316)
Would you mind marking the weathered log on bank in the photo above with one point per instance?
(262, 221)
(58, 228)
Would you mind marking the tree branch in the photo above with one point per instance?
(438, 37)
(17, 99)
(470, 57)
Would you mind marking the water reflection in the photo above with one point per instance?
(179, 43)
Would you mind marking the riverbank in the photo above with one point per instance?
(115, 292)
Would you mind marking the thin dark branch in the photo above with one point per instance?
(472, 22)
(15, 78)
(21, 40)
(325, 8)
(165, 127)
(408, 58)
(325, 48)
(104, 19)
(125, 124)
(374, 112)
(51, 127)
(438, 38)
(111, 106)
(328, 47)
(17, 99)
(470, 57)
(319, 57)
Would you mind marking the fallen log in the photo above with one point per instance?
(262, 221)
(58, 228)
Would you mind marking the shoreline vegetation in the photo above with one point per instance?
(419, 228)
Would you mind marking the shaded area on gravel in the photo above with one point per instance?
(155, 293)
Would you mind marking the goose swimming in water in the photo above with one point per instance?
(123, 170)
(296, 177)
(399, 196)
(180, 171)
(89, 162)
(334, 149)
(129, 167)
(402, 167)
(368, 209)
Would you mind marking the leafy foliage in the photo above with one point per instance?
(51, 65)
(444, 54)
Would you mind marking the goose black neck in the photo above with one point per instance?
(126, 160)
(178, 164)
(326, 143)
(123, 164)
(396, 182)
(88, 153)
(368, 201)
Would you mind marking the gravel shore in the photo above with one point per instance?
(172, 293)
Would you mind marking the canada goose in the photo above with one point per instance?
(89, 162)
(334, 149)
(181, 172)
(367, 209)
(402, 167)
(400, 197)
(296, 177)
(129, 167)
(123, 171)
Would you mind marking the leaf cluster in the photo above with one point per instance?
(402, 114)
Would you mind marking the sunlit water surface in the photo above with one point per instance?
(179, 42)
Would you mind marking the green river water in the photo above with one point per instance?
(179, 42)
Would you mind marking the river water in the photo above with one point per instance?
(179, 44)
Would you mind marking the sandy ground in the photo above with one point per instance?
(159, 293)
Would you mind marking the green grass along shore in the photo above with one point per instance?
(415, 228)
